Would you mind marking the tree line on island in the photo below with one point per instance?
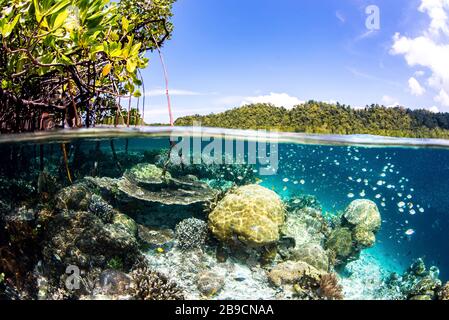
(326, 118)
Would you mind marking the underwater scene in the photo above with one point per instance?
(137, 217)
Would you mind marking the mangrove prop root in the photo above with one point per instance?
(172, 145)
(114, 154)
(66, 161)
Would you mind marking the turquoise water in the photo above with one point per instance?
(387, 175)
(407, 179)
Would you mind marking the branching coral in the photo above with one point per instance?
(191, 233)
(329, 287)
(444, 292)
(150, 285)
(101, 208)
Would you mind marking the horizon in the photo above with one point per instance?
(224, 55)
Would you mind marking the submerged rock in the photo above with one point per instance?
(313, 254)
(81, 239)
(125, 223)
(305, 225)
(340, 243)
(114, 282)
(293, 272)
(155, 239)
(76, 197)
(251, 214)
(209, 283)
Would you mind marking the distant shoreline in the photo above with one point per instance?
(323, 118)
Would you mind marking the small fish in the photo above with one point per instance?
(410, 232)
(160, 250)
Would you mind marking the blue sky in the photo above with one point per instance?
(225, 53)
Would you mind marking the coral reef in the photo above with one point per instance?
(76, 197)
(443, 294)
(244, 280)
(82, 239)
(139, 232)
(150, 285)
(148, 174)
(364, 214)
(355, 231)
(305, 225)
(302, 201)
(101, 208)
(308, 230)
(250, 214)
(221, 176)
(330, 289)
(340, 243)
(313, 254)
(155, 239)
(209, 283)
(305, 281)
(191, 234)
(295, 272)
(418, 282)
(113, 283)
(125, 223)
(170, 200)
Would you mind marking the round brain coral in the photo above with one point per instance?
(252, 214)
(363, 213)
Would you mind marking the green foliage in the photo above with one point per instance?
(74, 55)
(324, 118)
(115, 263)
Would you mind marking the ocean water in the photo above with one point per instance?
(407, 179)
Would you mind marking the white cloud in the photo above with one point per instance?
(415, 87)
(430, 49)
(390, 102)
(278, 99)
(436, 10)
(340, 16)
(443, 98)
(434, 109)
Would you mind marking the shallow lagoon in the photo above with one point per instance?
(407, 179)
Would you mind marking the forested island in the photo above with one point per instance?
(326, 118)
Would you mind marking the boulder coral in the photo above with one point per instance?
(340, 243)
(363, 214)
(355, 231)
(251, 214)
